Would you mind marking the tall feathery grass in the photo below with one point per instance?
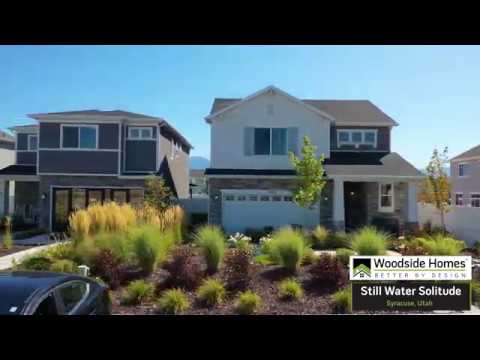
(287, 248)
(370, 241)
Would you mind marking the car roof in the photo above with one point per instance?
(16, 287)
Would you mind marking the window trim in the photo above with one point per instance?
(465, 173)
(463, 199)
(29, 148)
(350, 141)
(471, 199)
(140, 128)
(62, 126)
(271, 142)
(390, 208)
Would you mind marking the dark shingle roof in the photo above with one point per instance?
(344, 111)
(99, 112)
(475, 151)
(19, 170)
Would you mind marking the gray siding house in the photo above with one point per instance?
(69, 160)
(251, 180)
(465, 178)
(7, 157)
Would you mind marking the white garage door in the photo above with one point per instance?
(257, 209)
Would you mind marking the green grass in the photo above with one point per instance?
(342, 300)
(248, 303)
(136, 292)
(370, 241)
(287, 248)
(63, 266)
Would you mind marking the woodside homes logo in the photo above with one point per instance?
(382, 268)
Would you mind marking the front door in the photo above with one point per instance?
(355, 205)
(61, 209)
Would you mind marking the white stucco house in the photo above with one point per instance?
(251, 180)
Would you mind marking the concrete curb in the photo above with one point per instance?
(7, 261)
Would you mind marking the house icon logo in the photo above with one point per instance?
(362, 268)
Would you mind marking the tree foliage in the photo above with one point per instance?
(157, 193)
(310, 172)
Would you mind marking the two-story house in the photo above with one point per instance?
(69, 160)
(7, 157)
(465, 178)
(251, 180)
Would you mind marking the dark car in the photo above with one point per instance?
(47, 293)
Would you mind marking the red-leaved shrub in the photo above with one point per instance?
(327, 271)
(184, 267)
(106, 265)
(237, 270)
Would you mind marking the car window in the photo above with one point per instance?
(47, 306)
(72, 294)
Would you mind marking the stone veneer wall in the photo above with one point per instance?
(46, 182)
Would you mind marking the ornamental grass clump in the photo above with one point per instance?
(212, 242)
(319, 237)
(211, 292)
(79, 224)
(63, 266)
(441, 245)
(173, 301)
(287, 248)
(137, 292)
(248, 303)
(343, 255)
(98, 218)
(290, 289)
(7, 236)
(342, 301)
(370, 241)
(116, 222)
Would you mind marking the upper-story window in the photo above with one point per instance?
(79, 136)
(462, 169)
(459, 199)
(140, 133)
(32, 142)
(475, 200)
(270, 141)
(357, 138)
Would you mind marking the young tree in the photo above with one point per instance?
(310, 178)
(157, 193)
(435, 189)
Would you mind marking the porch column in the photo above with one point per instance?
(6, 197)
(338, 205)
(412, 203)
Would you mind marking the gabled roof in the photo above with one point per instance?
(473, 152)
(344, 112)
(266, 90)
(4, 136)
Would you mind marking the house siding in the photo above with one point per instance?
(78, 162)
(468, 184)
(49, 135)
(27, 158)
(383, 136)
(22, 141)
(178, 166)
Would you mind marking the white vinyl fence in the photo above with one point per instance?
(464, 222)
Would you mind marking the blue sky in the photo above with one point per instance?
(432, 91)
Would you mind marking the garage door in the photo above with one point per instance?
(257, 209)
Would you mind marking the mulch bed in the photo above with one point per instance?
(264, 283)
(13, 249)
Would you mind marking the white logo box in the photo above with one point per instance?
(381, 268)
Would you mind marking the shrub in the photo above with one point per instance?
(7, 236)
(329, 272)
(106, 265)
(64, 251)
(412, 247)
(184, 267)
(137, 292)
(211, 292)
(63, 266)
(173, 301)
(308, 256)
(287, 248)
(237, 270)
(441, 245)
(338, 239)
(475, 285)
(342, 301)
(248, 303)
(290, 289)
(369, 241)
(319, 237)
(118, 243)
(343, 255)
(39, 262)
(212, 242)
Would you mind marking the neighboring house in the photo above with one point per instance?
(251, 180)
(7, 157)
(69, 160)
(465, 178)
(198, 183)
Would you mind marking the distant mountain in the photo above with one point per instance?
(199, 162)
(446, 169)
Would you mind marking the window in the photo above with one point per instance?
(386, 197)
(253, 198)
(475, 200)
(47, 307)
(357, 138)
(462, 169)
(79, 137)
(79, 199)
(72, 294)
(140, 133)
(32, 142)
(264, 198)
(270, 141)
(136, 197)
(229, 197)
(288, 198)
(459, 199)
(241, 198)
(276, 198)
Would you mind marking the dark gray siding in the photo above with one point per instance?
(80, 162)
(7, 145)
(140, 155)
(383, 140)
(28, 157)
(22, 141)
(49, 135)
(108, 136)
